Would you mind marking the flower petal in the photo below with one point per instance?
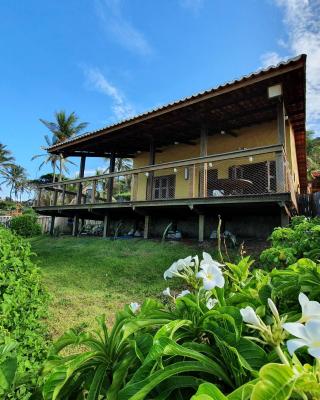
(219, 280)
(312, 329)
(314, 352)
(295, 344)
(295, 328)
(303, 300)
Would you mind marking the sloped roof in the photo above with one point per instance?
(198, 96)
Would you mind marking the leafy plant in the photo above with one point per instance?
(23, 303)
(26, 225)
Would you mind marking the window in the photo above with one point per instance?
(164, 187)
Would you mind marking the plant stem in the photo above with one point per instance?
(281, 355)
(219, 239)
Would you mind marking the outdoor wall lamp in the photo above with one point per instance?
(210, 164)
(175, 170)
(186, 173)
(147, 174)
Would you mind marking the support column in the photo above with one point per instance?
(105, 226)
(112, 163)
(201, 228)
(152, 156)
(75, 227)
(52, 225)
(146, 227)
(284, 217)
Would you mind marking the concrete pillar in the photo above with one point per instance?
(105, 226)
(146, 226)
(75, 227)
(201, 228)
(284, 217)
(52, 225)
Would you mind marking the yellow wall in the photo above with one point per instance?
(255, 136)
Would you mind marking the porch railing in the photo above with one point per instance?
(246, 172)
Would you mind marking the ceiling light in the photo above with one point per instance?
(223, 132)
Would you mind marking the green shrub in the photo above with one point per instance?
(26, 225)
(300, 239)
(23, 303)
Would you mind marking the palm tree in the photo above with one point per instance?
(121, 164)
(48, 157)
(6, 159)
(15, 177)
(65, 127)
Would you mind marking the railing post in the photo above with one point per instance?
(203, 175)
(93, 193)
(110, 181)
(134, 186)
(152, 156)
(63, 194)
(280, 175)
(55, 196)
(39, 197)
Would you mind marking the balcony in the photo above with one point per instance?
(239, 176)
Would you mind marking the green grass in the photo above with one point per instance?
(87, 277)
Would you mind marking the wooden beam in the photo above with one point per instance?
(152, 160)
(81, 175)
(203, 173)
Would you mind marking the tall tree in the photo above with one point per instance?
(15, 177)
(48, 157)
(63, 128)
(6, 158)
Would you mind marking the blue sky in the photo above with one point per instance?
(109, 59)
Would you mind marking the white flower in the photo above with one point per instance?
(167, 292)
(250, 317)
(308, 335)
(211, 303)
(310, 309)
(210, 273)
(134, 307)
(183, 293)
(178, 266)
(273, 309)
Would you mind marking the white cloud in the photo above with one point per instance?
(121, 108)
(115, 23)
(270, 58)
(302, 21)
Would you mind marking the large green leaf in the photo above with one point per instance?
(210, 391)
(276, 383)
(8, 369)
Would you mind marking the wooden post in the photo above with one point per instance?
(55, 196)
(81, 175)
(52, 225)
(105, 226)
(204, 168)
(152, 156)
(75, 227)
(112, 163)
(63, 194)
(93, 193)
(146, 226)
(39, 198)
(201, 228)
(280, 173)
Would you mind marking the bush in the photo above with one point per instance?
(23, 304)
(300, 239)
(26, 225)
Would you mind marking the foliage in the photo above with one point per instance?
(300, 239)
(26, 225)
(23, 305)
(15, 177)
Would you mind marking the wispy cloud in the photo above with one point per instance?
(121, 108)
(111, 14)
(270, 58)
(302, 21)
(192, 5)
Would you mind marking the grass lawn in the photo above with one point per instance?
(91, 276)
